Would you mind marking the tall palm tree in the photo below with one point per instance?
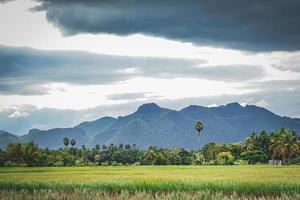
(273, 142)
(255, 140)
(73, 142)
(199, 127)
(249, 144)
(97, 146)
(286, 145)
(66, 142)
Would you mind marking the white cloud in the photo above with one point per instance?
(212, 105)
(262, 103)
(31, 29)
(18, 114)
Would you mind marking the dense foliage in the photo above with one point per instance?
(257, 148)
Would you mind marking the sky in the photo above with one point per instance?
(82, 60)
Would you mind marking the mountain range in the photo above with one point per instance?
(162, 127)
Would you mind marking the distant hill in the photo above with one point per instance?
(53, 138)
(93, 128)
(6, 138)
(154, 125)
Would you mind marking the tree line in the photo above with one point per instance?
(259, 147)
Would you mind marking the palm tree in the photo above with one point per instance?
(97, 146)
(66, 142)
(255, 140)
(199, 127)
(249, 144)
(273, 140)
(286, 145)
(73, 142)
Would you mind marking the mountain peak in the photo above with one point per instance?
(234, 105)
(148, 108)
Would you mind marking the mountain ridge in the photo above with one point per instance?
(151, 124)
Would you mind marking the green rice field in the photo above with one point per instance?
(151, 182)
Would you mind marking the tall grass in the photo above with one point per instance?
(86, 194)
(264, 181)
(165, 186)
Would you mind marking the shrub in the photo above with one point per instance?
(241, 162)
(137, 164)
(59, 164)
(79, 163)
(10, 164)
(105, 163)
(254, 157)
(115, 163)
(199, 159)
(296, 160)
(225, 158)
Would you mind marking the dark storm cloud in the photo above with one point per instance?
(248, 25)
(27, 71)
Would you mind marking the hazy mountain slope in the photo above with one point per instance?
(6, 138)
(93, 128)
(53, 138)
(153, 125)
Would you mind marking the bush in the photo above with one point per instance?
(91, 164)
(296, 160)
(59, 164)
(199, 159)
(79, 163)
(225, 158)
(137, 164)
(241, 162)
(10, 164)
(105, 163)
(254, 157)
(115, 163)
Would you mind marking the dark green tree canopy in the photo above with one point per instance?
(73, 142)
(66, 141)
(199, 127)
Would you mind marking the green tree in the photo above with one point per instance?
(97, 147)
(225, 158)
(15, 153)
(210, 151)
(31, 154)
(286, 145)
(199, 159)
(248, 144)
(255, 156)
(3, 157)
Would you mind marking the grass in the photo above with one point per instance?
(226, 181)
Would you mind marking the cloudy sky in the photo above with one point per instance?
(87, 59)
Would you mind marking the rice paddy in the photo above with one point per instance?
(152, 182)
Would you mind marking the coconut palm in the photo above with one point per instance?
(248, 144)
(286, 145)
